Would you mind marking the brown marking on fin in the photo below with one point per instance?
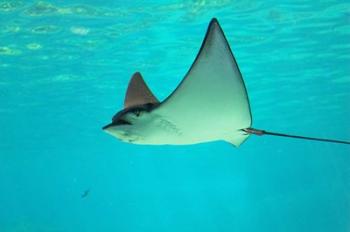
(138, 92)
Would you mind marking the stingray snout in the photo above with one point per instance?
(116, 123)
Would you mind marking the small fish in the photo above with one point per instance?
(85, 193)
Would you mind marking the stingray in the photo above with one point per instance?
(210, 103)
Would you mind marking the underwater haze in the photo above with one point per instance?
(64, 70)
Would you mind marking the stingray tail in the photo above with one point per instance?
(263, 132)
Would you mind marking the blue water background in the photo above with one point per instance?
(64, 69)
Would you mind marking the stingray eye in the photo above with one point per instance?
(137, 113)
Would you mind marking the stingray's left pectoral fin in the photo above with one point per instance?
(138, 92)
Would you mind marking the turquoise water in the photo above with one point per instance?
(64, 69)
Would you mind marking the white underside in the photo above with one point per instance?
(163, 131)
(211, 102)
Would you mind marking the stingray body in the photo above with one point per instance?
(210, 103)
(203, 107)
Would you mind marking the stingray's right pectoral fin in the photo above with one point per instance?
(138, 92)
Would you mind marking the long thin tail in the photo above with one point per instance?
(263, 132)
